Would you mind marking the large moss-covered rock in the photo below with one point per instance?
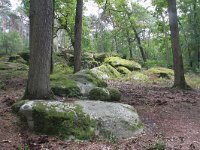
(106, 71)
(82, 119)
(66, 120)
(74, 85)
(86, 81)
(117, 61)
(160, 72)
(99, 94)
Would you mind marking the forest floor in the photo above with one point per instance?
(169, 115)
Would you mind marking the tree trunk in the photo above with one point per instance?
(166, 41)
(179, 78)
(78, 36)
(41, 23)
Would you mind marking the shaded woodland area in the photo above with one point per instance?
(99, 74)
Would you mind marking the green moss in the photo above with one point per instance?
(137, 126)
(72, 121)
(115, 94)
(99, 94)
(110, 71)
(60, 68)
(100, 57)
(136, 76)
(16, 106)
(87, 75)
(117, 61)
(160, 72)
(12, 66)
(61, 85)
(123, 70)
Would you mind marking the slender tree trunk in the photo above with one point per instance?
(139, 44)
(51, 70)
(41, 23)
(179, 78)
(166, 41)
(78, 36)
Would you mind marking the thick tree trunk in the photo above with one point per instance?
(78, 36)
(41, 22)
(179, 79)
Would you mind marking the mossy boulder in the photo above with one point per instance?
(123, 70)
(137, 76)
(100, 57)
(99, 94)
(82, 119)
(160, 72)
(115, 94)
(105, 94)
(75, 85)
(117, 61)
(106, 71)
(66, 120)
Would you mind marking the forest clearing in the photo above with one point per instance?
(124, 76)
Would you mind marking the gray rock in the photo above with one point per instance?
(116, 119)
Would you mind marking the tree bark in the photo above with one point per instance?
(179, 78)
(78, 36)
(41, 23)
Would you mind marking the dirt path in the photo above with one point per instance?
(171, 116)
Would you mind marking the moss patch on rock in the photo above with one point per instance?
(137, 76)
(16, 106)
(90, 77)
(106, 71)
(100, 57)
(99, 94)
(123, 70)
(61, 85)
(117, 61)
(65, 120)
(115, 94)
(160, 72)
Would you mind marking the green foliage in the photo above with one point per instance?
(10, 42)
(72, 122)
